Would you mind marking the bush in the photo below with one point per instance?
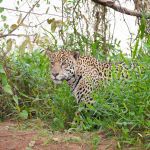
(34, 94)
(122, 106)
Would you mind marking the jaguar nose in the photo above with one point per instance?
(55, 74)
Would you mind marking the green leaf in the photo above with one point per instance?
(2, 69)
(23, 115)
(53, 26)
(1, 9)
(3, 76)
(13, 26)
(6, 26)
(3, 17)
(23, 46)
(135, 49)
(4, 79)
(37, 5)
(7, 89)
(19, 19)
(15, 98)
(9, 44)
(142, 27)
(17, 2)
(49, 21)
(64, 1)
(1, 1)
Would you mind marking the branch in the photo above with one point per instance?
(19, 35)
(111, 4)
(5, 35)
(35, 13)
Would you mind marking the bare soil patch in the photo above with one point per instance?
(12, 137)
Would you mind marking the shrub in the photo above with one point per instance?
(34, 94)
(122, 106)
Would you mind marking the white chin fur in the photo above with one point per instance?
(57, 81)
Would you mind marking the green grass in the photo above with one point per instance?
(121, 109)
(34, 94)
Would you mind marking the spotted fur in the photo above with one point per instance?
(83, 73)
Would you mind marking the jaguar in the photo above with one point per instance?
(82, 73)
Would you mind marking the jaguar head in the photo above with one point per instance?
(63, 65)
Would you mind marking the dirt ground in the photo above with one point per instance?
(16, 136)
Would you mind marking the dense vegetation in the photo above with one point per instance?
(121, 108)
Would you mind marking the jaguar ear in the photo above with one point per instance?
(76, 55)
(48, 53)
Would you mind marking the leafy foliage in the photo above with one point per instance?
(122, 108)
(34, 94)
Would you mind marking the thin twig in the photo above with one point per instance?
(113, 27)
(126, 25)
(35, 26)
(76, 6)
(5, 35)
(45, 29)
(62, 25)
(18, 35)
(35, 13)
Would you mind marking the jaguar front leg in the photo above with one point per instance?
(83, 91)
